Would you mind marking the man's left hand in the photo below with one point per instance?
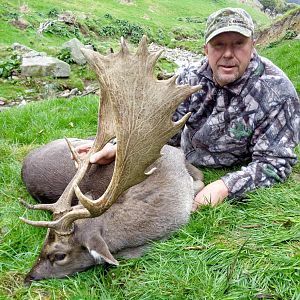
(212, 194)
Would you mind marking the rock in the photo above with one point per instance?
(33, 53)
(68, 93)
(90, 47)
(39, 66)
(20, 23)
(3, 101)
(49, 90)
(22, 103)
(21, 48)
(92, 87)
(180, 57)
(67, 17)
(75, 45)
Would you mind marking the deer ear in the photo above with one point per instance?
(99, 250)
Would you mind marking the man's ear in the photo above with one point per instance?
(99, 250)
(205, 49)
(253, 51)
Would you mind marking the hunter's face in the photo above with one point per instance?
(229, 54)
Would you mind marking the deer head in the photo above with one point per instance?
(137, 109)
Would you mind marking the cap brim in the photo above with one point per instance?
(244, 31)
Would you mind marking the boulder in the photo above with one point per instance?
(74, 46)
(39, 66)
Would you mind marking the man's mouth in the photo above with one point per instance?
(227, 67)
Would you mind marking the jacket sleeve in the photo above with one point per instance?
(272, 148)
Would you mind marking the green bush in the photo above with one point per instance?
(61, 29)
(277, 5)
(65, 55)
(9, 66)
(290, 35)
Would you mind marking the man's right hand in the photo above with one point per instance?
(103, 157)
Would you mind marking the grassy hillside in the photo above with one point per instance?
(246, 250)
(100, 23)
(164, 21)
(285, 55)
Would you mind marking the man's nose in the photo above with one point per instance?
(228, 52)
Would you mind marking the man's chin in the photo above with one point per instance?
(226, 79)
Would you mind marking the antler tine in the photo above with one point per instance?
(73, 151)
(142, 49)
(49, 207)
(143, 52)
(172, 80)
(63, 225)
(124, 47)
(153, 58)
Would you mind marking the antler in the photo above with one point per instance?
(137, 109)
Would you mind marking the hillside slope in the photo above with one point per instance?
(289, 24)
(46, 25)
(172, 23)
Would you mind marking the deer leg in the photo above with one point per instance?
(197, 177)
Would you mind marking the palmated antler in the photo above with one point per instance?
(137, 109)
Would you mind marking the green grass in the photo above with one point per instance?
(169, 23)
(285, 55)
(236, 251)
(155, 16)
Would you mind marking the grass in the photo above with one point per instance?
(284, 53)
(246, 250)
(172, 23)
(239, 250)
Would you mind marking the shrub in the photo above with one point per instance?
(9, 66)
(65, 55)
(277, 5)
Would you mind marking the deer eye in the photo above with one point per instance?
(59, 256)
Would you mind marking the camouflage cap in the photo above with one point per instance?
(226, 20)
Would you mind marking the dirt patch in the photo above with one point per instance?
(20, 23)
(279, 28)
(129, 2)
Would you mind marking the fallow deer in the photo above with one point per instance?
(145, 195)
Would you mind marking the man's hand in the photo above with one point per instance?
(212, 194)
(103, 157)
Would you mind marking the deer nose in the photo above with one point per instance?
(28, 279)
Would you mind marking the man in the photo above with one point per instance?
(247, 112)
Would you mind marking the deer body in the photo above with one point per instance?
(145, 195)
(148, 211)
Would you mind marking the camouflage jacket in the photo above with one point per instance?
(254, 121)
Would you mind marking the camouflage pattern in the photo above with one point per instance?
(229, 19)
(254, 121)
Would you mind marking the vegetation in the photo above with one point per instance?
(9, 66)
(239, 250)
(277, 6)
(245, 250)
(100, 24)
(283, 53)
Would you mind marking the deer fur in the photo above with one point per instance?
(149, 211)
(100, 213)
